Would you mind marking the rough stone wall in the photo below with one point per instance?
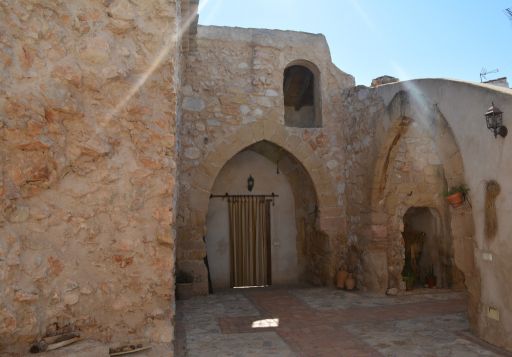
(415, 178)
(233, 98)
(362, 110)
(397, 159)
(88, 107)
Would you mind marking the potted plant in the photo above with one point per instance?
(409, 279)
(456, 195)
(431, 279)
(184, 285)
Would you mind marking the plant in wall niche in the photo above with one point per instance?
(456, 195)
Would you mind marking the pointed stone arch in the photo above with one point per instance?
(409, 107)
(193, 205)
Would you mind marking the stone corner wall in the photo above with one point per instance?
(88, 158)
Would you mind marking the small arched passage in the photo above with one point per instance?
(292, 216)
(301, 93)
(416, 123)
(426, 248)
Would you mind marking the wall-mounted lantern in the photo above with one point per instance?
(494, 119)
(250, 183)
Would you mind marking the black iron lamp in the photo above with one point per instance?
(250, 183)
(494, 119)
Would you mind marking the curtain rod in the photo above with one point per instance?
(227, 195)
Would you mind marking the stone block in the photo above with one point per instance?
(193, 104)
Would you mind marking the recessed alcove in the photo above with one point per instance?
(302, 106)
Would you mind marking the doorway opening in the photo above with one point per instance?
(422, 236)
(256, 240)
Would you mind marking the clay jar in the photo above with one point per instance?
(350, 283)
(341, 278)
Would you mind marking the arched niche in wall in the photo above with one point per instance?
(301, 92)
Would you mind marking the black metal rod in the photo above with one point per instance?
(227, 195)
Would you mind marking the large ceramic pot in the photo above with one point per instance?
(350, 283)
(341, 278)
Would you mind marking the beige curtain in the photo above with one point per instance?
(249, 235)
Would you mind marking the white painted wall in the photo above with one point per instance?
(233, 179)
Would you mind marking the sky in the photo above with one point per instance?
(403, 38)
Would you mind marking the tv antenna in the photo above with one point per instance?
(484, 72)
(508, 13)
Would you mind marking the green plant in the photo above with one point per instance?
(410, 280)
(182, 277)
(454, 189)
(431, 273)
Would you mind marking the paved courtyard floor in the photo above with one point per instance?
(326, 322)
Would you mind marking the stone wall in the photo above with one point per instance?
(450, 117)
(414, 178)
(88, 117)
(234, 98)
(102, 101)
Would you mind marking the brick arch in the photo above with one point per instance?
(202, 179)
(405, 108)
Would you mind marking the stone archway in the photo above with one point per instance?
(407, 110)
(425, 248)
(296, 250)
(198, 182)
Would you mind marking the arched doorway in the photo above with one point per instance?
(426, 249)
(419, 159)
(291, 222)
(197, 181)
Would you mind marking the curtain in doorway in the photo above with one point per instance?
(249, 236)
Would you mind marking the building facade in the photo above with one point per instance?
(120, 120)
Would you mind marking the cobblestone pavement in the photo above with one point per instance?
(326, 322)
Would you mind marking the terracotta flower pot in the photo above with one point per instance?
(456, 199)
(350, 283)
(341, 278)
(431, 281)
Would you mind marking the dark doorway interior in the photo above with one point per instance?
(421, 242)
